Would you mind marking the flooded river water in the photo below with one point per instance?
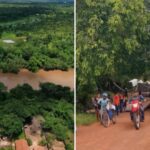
(64, 78)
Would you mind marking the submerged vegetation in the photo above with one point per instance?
(42, 36)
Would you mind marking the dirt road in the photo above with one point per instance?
(122, 136)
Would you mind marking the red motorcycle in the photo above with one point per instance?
(135, 113)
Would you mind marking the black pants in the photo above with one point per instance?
(117, 109)
(142, 117)
(121, 105)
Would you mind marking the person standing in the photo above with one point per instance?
(121, 102)
(95, 104)
(116, 100)
(126, 92)
(125, 103)
(141, 99)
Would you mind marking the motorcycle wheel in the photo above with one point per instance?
(100, 119)
(105, 119)
(136, 118)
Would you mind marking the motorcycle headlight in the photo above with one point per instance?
(135, 105)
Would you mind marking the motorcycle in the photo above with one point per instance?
(108, 116)
(105, 120)
(135, 113)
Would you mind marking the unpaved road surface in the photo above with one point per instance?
(121, 136)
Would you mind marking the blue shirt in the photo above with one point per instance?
(103, 102)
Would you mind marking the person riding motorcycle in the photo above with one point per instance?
(105, 104)
(102, 102)
(140, 99)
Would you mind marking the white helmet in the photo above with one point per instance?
(105, 95)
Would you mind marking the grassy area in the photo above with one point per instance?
(85, 119)
(7, 148)
(21, 136)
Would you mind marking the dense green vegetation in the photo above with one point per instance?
(147, 4)
(53, 102)
(42, 35)
(112, 44)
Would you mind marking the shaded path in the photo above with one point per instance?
(122, 136)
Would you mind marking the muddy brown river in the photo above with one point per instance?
(64, 78)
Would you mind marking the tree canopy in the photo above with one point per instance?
(112, 42)
(53, 103)
(42, 36)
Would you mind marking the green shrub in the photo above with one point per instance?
(43, 142)
(21, 136)
(50, 138)
(29, 141)
(69, 146)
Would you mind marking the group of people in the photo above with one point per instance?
(118, 103)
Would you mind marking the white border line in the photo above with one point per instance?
(74, 74)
